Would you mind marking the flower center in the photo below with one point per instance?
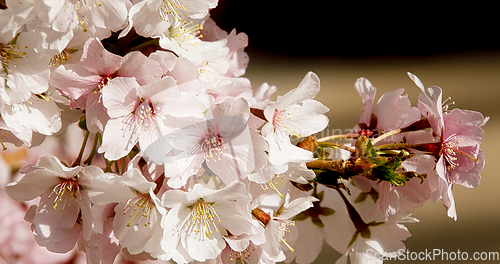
(283, 229)
(9, 52)
(62, 57)
(146, 115)
(184, 31)
(203, 218)
(212, 146)
(139, 209)
(281, 122)
(450, 150)
(67, 188)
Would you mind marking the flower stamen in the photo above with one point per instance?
(139, 206)
(203, 218)
(213, 147)
(449, 151)
(171, 7)
(9, 52)
(273, 186)
(69, 187)
(280, 121)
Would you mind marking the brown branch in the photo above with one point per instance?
(334, 165)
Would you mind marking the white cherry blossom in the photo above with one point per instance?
(64, 195)
(198, 219)
(294, 114)
(138, 212)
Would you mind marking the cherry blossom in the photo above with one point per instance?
(84, 82)
(193, 226)
(138, 211)
(64, 195)
(459, 134)
(392, 111)
(152, 17)
(294, 114)
(280, 222)
(137, 112)
(221, 142)
(14, 18)
(155, 147)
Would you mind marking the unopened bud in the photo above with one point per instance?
(261, 216)
(309, 143)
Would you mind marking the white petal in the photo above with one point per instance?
(37, 114)
(31, 185)
(233, 218)
(307, 89)
(55, 223)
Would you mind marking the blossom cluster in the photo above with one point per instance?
(189, 162)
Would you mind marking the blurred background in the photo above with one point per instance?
(454, 47)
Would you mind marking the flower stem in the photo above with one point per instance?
(335, 145)
(123, 164)
(356, 219)
(151, 42)
(82, 149)
(334, 165)
(117, 169)
(108, 165)
(386, 135)
(418, 125)
(338, 137)
(88, 161)
(396, 146)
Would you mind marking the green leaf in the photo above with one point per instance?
(374, 223)
(300, 217)
(387, 171)
(317, 222)
(327, 211)
(370, 151)
(374, 195)
(328, 178)
(366, 233)
(82, 123)
(353, 239)
(361, 197)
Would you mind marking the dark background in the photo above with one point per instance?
(357, 29)
(455, 47)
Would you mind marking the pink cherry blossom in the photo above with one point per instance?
(85, 81)
(294, 114)
(63, 193)
(137, 113)
(461, 158)
(238, 58)
(392, 111)
(459, 134)
(222, 141)
(138, 212)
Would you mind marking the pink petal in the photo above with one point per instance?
(367, 92)
(98, 60)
